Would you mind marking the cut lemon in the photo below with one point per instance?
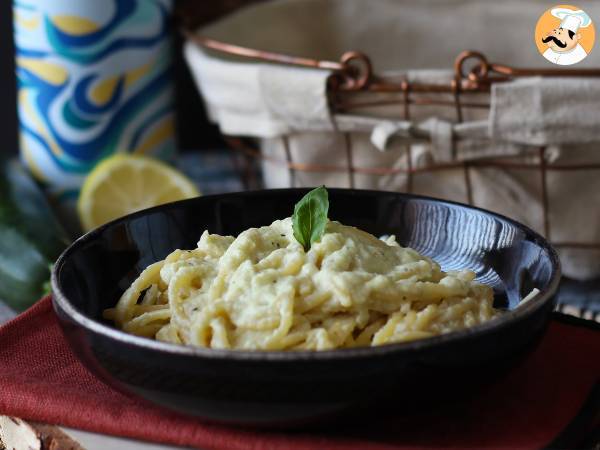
(124, 183)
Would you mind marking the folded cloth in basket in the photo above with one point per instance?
(546, 111)
(41, 379)
(261, 99)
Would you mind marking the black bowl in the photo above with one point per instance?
(274, 388)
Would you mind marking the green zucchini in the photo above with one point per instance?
(30, 238)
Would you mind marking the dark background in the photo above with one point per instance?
(193, 130)
(8, 98)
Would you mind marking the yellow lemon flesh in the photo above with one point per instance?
(123, 183)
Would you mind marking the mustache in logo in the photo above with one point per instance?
(556, 41)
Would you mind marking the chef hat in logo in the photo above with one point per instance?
(570, 19)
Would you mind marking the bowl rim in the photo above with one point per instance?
(61, 303)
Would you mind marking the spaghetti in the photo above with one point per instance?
(262, 291)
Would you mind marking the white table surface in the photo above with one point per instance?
(94, 441)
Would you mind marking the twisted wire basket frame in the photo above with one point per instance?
(473, 73)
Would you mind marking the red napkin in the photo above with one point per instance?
(40, 379)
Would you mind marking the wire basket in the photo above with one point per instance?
(487, 134)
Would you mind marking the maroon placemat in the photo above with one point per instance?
(40, 379)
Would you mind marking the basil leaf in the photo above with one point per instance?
(310, 217)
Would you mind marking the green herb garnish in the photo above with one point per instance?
(310, 217)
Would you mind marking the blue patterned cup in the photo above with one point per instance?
(94, 78)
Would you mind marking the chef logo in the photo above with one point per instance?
(564, 35)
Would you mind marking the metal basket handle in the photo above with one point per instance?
(354, 71)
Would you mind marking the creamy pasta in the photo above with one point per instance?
(263, 291)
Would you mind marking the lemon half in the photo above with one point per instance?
(123, 183)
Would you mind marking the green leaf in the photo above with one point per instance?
(310, 217)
